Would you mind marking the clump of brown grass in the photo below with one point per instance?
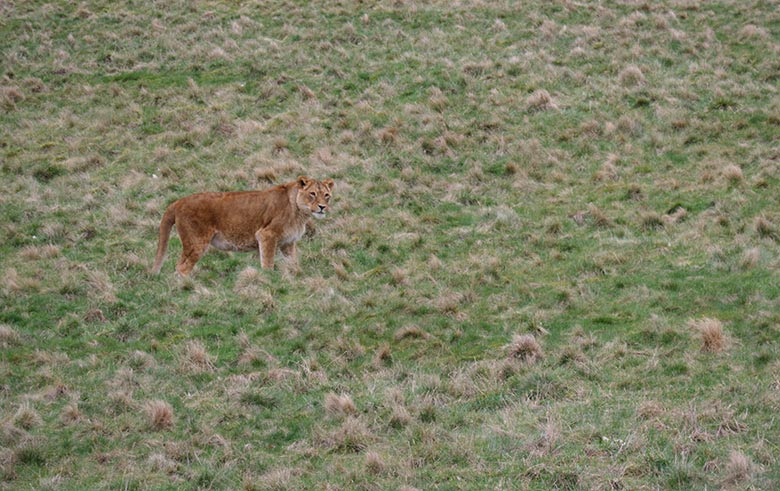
(352, 436)
(547, 441)
(739, 468)
(631, 76)
(374, 463)
(274, 479)
(599, 217)
(35, 253)
(121, 400)
(437, 100)
(307, 93)
(649, 410)
(410, 332)
(251, 285)
(159, 414)
(12, 282)
(629, 126)
(400, 415)
(752, 31)
(161, 463)
(9, 96)
(525, 349)
(194, 358)
(27, 417)
(449, 302)
(765, 228)
(733, 174)
(35, 85)
(339, 405)
(651, 220)
(712, 335)
(388, 135)
(141, 360)
(383, 356)
(678, 214)
(540, 100)
(399, 275)
(608, 171)
(8, 336)
(71, 413)
(751, 258)
(101, 287)
(265, 175)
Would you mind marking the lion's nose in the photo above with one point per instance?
(322, 207)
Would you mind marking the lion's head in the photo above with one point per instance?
(314, 195)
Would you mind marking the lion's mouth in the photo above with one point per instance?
(318, 214)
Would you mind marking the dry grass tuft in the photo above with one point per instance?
(374, 463)
(599, 217)
(339, 405)
(101, 287)
(739, 468)
(383, 356)
(651, 220)
(275, 479)
(608, 171)
(159, 414)
(251, 285)
(35, 253)
(71, 414)
(9, 96)
(141, 360)
(649, 410)
(265, 175)
(400, 415)
(27, 417)
(750, 258)
(161, 463)
(388, 135)
(13, 282)
(766, 229)
(526, 349)
(352, 436)
(540, 100)
(712, 335)
(410, 332)
(631, 76)
(547, 442)
(8, 336)
(195, 359)
(751, 31)
(733, 174)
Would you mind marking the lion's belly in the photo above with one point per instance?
(232, 243)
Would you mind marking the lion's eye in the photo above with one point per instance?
(327, 196)
(313, 194)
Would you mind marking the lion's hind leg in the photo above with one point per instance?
(194, 242)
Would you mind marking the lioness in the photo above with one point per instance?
(243, 221)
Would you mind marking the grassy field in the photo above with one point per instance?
(552, 263)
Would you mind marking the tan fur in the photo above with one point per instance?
(243, 221)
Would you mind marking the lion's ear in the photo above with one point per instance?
(328, 184)
(303, 181)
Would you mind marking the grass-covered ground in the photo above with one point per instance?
(552, 261)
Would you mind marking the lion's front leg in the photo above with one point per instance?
(266, 245)
(290, 253)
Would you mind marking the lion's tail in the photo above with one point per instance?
(166, 224)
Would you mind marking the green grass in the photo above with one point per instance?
(601, 176)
